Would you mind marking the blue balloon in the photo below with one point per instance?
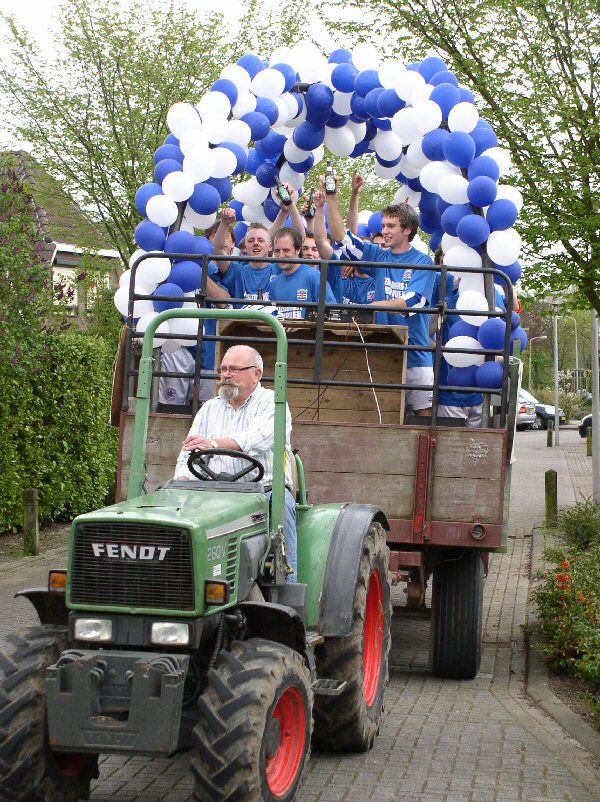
(459, 149)
(386, 163)
(223, 186)
(340, 56)
(360, 149)
(202, 245)
(240, 155)
(430, 66)
(484, 138)
(259, 124)
(237, 207)
(489, 375)
(460, 328)
(388, 103)
(473, 230)
(187, 275)
(359, 110)
(164, 167)
(271, 145)
(462, 377)
(299, 102)
(251, 63)
(443, 77)
(482, 191)
(171, 139)
(240, 231)
(228, 88)
(416, 186)
(288, 72)
(375, 223)
(513, 271)
(179, 242)
(266, 174)
(433, 144)
(268, 107)
(372, 100)
(491, 333)
(515, 320)
(271, 208)
(483, 165)
(363, 231)
(205, 199)
(319, 98)
(255, 159)
(452, 216)
(342, 77)
(149, 236)
(365, 81)
(315, 117)
(308, 137)
(519, 334)
(466, 96)
(304, 166)
(382, 123)
(446, 96)
(168, 152)
(143, 195)
(502, 214)
(169, 290)
(428, 203)
(428, 223)
(337, 120)
(442, 205)
(436, 239)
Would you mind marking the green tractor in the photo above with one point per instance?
(174, 629)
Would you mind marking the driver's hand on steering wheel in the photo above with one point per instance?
(196, 442)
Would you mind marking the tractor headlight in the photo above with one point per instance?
(97, 630)
(170, 633)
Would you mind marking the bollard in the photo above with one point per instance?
(549, 433)
(588, 441)
(551, 499)
(31, 531)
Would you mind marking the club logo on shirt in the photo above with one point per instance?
(407, 275)
(302, 295)
(170, 392)
(370, 296)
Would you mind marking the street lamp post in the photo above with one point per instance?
(555, 307)
(569, 317)
(531, 339)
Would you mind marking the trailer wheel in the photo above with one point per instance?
(456, 616)
(29, 770)
(350, 721)
(255, 721)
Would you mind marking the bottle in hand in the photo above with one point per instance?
(329, 179)
(284, 195)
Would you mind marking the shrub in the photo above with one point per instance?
(579, 526)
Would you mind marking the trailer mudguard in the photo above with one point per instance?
(343, 562)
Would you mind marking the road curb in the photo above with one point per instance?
(537, 669)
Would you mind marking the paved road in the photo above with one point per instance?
(441, 741)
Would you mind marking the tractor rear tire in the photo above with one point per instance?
(456, 616)
(29, 770)
(255, 721)
(350, 721)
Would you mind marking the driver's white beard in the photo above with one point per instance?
(228, 392)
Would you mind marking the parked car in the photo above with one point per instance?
(526, 416)
(586, 423)
(543, 412)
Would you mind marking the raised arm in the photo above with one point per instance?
(320, 229)
(227, 219)
(358, 183)
(336, 222)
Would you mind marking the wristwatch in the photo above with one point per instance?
(214, 444)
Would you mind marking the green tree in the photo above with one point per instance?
(96, 113)
(535, 65)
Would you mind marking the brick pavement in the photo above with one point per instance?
(440, 741)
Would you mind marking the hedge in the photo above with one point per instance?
(54, 418)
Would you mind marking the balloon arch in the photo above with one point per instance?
(266, 120)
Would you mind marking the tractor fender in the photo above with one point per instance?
(276, 622)
(343, 561)
(50, 606)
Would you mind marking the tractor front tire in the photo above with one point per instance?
(29, 770)
(255, 721)
(350, 721)
(456, 616)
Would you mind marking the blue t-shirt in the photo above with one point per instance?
(415, 286)
(353, 290)
(302, 285)
(243, 280)
(209, 348)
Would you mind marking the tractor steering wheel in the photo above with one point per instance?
(198, 466)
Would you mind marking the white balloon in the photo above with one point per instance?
(239, 191)
(281, 55)
(502, 158)
(365, 57)
(153, 270)
(186, 226)
(245, 103)
(341, 102)
(461, 256)
(294, 122)
(136, 255)
(318, 154)
(289, 176)
(170, 346)
(291, 103)
(421, 93)
(252, 214)
(464, 360)
(389, 73)
(161, 210)
(463, 117)
(387, 145)
(407, 195)
(474, 302)
(503, 246)
(193, 139)
(284, 112)
(453, 189)
(121, 299)
(238, 75)
(192, 303)
(405, 124)
(418, 243)
(507, 192)
(214, 104)
(215, 129)
(313, 66)
(408, 82)
(327, 78)
(140, 287)
(199, 164)
(199, 221)
(428, 116)
(225, 162)
(339, 141)
(239, 132)
(268, 83)
(448, 241)
(358, 130)
(145, 321)
(386, 172)
(364, 215)
(469, 282)
(416, 157)
(182, 117)
(407, 169)
(431, 175)
(178, 186)
(254, 193)
(293, 153)
(183, 326)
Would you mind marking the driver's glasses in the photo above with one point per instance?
(229, 369)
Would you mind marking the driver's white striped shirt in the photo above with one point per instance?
(252, 428)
